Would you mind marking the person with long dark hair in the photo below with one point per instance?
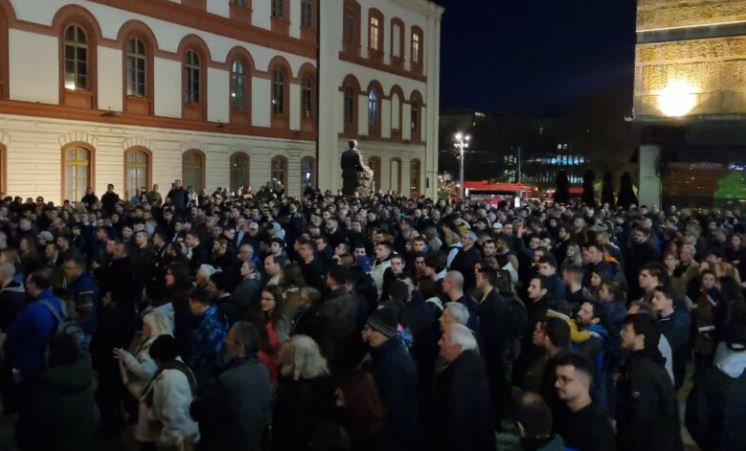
(273, 327)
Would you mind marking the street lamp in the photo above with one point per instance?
(461, 142)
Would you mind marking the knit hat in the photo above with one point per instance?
(383, 321)
(46, 236)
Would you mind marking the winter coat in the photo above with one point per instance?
(494, 325)
(234, 411)
(29, 335)
(12, 298)
(462, 406)
(676, 329)
(58, 415)
(300, 407)
(647, 418)
(716, 407)
(207, 343)
(81, 300)
(172, 396)
(396, 379)
(377, 272)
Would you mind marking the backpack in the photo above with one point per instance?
(518, 316)
(67, 326)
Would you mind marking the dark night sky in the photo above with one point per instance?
(534, 56)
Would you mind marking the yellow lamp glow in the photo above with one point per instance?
(677, 100)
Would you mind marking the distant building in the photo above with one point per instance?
(690, 97)
(216, 93)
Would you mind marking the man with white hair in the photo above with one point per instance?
(453, 288)
(461, 405)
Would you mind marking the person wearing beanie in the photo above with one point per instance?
(395, 375)
(716, 407)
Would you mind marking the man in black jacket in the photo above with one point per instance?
(639, 252)
(648, 417)
(234, 411)
(584, 426)
(494, 325)
(395, 375)
(465, 260)
(462, 409)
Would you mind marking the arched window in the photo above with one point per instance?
(416, 117)
(375, 34)
(280, 72)
(193, 169)
(397, 42)
(417, 53)
(374, 112)
(307, 94)
(414, 178)
(192, 75)
(137, 67)
(78, 43)
(307, 173)
(308, 99)
(238, 86)
(395, 175)
(239, 171)
(351, 27)
(396, 112)
(77, 171)
(76, 58)
(374, 163)
(137, 59)
(137, 170)
(194, 59)
(350, 89)
(349, 106)
(279, 170)
(278, 92)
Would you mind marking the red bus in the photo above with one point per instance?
(494, 193)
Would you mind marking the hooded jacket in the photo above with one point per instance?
(716, 407)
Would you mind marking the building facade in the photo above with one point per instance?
(213, 92)
(690, 98)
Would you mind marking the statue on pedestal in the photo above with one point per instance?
(357, 177)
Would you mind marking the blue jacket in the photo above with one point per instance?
(207, 343)
(29, 335)
(84, 297)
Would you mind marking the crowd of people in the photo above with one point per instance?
(256, 321)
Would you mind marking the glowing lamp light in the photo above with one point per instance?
(677, 100)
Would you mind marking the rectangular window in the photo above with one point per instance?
(416, 46)
(375, 33)
(278, 9)
(307, 102)
(348, 31)
(306, 17)
(396, 39)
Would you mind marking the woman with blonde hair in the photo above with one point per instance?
(305, 396)
(138, 368)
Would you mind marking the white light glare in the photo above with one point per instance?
(677, 99)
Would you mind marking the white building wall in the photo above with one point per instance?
(34, 153)
(33, 79)
(167, 88)
(385, 118)
(219, 7)
(261, 16)
(218, 106)
(295, 12)
(110, 82)
(260, 106)
(295, 107)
